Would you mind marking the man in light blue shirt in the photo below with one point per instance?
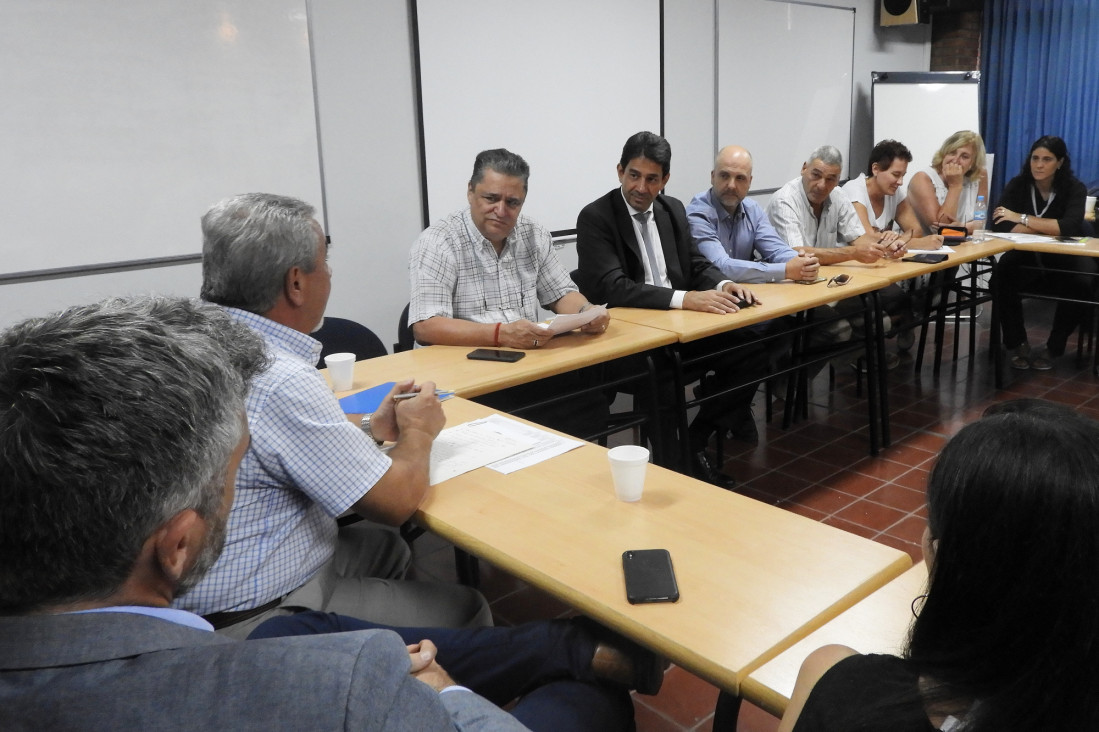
(733, 232)
(265, 260)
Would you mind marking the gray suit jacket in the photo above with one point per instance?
(121, 671)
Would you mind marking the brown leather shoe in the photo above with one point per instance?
(619, 660)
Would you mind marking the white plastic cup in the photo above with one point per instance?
(1089, 205)
(341, 369)
(628, 463)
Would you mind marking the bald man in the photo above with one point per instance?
(730, 229)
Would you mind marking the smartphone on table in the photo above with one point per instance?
(649, 576)
(495, 354)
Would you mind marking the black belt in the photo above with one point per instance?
(224, 620)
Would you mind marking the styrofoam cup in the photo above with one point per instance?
(628, 463)
(341, 369)
(1089, 205)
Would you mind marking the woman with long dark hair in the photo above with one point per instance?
(1007, 637)
(1045, 198)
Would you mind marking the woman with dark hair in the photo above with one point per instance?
(880, 199)
(1045, 198)
(1007, 637)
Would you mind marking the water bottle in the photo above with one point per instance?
(980, 214)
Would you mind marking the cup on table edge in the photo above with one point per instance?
(341, 369)
(628, 465)
(1089, 207)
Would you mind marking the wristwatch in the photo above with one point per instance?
(1024, 219)
(364, 425)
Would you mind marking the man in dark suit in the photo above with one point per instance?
(635, 250)
(121, 430)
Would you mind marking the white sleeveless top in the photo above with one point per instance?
(968, 200)
(856, 191)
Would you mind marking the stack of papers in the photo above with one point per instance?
(502, 444)
(564, 323)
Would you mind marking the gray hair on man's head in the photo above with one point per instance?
(114, 417)
(503, 161)
(827, 154)
(249, 243)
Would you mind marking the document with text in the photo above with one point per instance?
(503, 444)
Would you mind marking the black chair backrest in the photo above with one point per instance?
(405, 340)
(339, 335)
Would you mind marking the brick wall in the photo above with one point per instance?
(956, 41)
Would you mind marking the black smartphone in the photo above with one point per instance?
(927, 258)
(495, 354)
(649, 576)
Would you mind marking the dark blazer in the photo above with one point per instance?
(610, 267)
(108, 671)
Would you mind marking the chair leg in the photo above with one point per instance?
(468, 568)
(726, 712)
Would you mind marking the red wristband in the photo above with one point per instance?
(496, 337)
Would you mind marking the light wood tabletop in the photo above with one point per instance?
(449, 368)
(753, 578)
(1090, 249)
(777, 299)
(895, 270)
(878, 624)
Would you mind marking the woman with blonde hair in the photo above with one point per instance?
(946, 193)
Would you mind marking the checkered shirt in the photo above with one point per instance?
(454, 272)
(306, 465)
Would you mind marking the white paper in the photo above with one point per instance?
(469, 446)
(564, 323)
(544, 445)
(1024, 238)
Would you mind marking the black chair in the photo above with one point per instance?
(339, 335)
(405, 340)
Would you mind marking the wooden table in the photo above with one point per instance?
(1090, 249)
(753, 578)
(878, 624)
(778, 299)
(449, 368)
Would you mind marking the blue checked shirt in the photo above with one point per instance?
(306, 465)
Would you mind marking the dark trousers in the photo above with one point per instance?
(546, 664)
(1013, 275)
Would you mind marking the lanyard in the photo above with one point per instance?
(1034, 202)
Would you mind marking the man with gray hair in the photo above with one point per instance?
(478, 276)
(265, 261)
(816, 219)
(121, 431)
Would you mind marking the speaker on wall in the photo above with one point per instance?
(901, 12)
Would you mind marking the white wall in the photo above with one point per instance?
(365, 90)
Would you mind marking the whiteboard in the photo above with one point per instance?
(124, 121)
(922, 109)
(784, 80)
(561, 83)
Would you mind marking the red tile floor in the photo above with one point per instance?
(821, 468)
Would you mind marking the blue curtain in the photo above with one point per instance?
(1040, 76)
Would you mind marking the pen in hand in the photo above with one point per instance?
(411, 394)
